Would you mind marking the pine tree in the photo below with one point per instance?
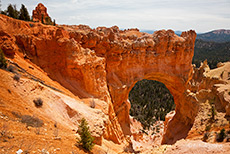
(54, 22)
(42, 18)
(86, 140)
(150, 100)
(221, 135)
(12, 11)
(213, 112)
(24, 15)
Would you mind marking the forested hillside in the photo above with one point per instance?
(214, 52)
(220, 36)
(150, 100)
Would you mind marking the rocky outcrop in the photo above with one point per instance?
(40, 13)
(7, 43)
(105, 63)
(211, 88)
(215, 82)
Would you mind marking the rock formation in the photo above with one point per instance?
(215, 83)
(211, 88)
(40, 13)
(105, 63)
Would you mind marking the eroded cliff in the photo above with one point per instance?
(105, 63)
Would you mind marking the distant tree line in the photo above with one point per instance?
(150, 101)
(23, 14)
(12, 11)
(214, 52)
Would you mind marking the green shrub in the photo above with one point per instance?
(213, 112)
(31, 121)
(205, 137)
(3, 62)
(11, 68)
(16, 77)
(208, 127)
(220, 136)
(38, 102)
(12, 11)
(86, 140)
(24, 14)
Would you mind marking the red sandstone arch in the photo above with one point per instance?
(169, 66)
(107, 62)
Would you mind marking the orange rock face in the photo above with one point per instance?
(40, 11)
(105, 63)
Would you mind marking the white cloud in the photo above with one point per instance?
(145, 14)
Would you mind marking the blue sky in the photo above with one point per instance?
(200, 15)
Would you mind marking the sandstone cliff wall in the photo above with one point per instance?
(105, 63)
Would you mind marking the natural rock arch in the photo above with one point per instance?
(106, 63)
(167, 65)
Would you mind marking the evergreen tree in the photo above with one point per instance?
(86, 140)
(150, 101)
(48, 21)
(221, 135)
(24, 15)
(12, 11)
(42, 18)
(54, 22)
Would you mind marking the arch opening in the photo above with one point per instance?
(150, 102)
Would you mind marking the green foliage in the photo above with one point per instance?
(221, 135)
(205, 137)
(150, 100)
(54, 22)
(16, 77)
(12, 11)
(86, 140)
(12, 69)
(23, 14)
(3, 62)
(157, 128)
(31, 121)
(38, 102)
(48, 21)
(208, 127)
(212, 51)
(42, 18)
(213, 112)
(3, 12)
(220, 36)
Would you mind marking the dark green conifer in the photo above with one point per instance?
(42, 18)
(12, 11)
(24, 15)
(54, 22)
(86, 140)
